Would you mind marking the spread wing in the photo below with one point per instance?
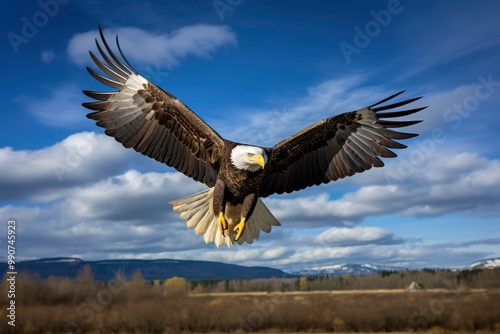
(336, 147)
(153, 122)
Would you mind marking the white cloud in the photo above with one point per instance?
(438, 103)
(342, 236)
(400, 255)
(132, 196)
(129, 214)
(62, 108)
(166, 49)
(465, 183)
(118, 214)
(46, 174)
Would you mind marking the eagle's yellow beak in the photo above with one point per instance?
(259, 160)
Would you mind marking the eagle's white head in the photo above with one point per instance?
(249, 158)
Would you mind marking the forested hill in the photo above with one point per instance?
(106, 270)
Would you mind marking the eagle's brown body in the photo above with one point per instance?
(235, 186)
(153, 122)
(239, 183)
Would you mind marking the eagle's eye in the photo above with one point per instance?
(249, 155)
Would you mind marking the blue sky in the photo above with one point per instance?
(257, 72)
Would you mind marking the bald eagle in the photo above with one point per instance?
(152, 121)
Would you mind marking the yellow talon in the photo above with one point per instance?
(222, 223)
(239, 229)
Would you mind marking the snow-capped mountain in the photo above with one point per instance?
(344, 269)
(485, 264)
(367, 269)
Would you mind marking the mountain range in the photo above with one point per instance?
(367, 269)
(344, 269)
(105, 270)
(485, 264)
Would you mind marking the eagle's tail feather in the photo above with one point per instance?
(197, 211)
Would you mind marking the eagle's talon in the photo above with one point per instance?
(222, 223)
(239, 229)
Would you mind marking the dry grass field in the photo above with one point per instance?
(177, 306)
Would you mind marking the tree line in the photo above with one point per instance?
(60, 290)
(465, 301)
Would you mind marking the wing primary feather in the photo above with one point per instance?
(125, 71)
(105, 80)
(358, 164)
(376, 135)
(382, 151)
(123, 56)
(110, 114)
(396, 105)
(118, 66)
(110, 52)
(342, 169)
(346, 161)
(103, 96)
(396, 134)
(367, 151)
(399, 113)
(398, 124)
(119, 122)
(100, 105)
(387, 98)
(365, 158)
(362, 142)
(106, 69)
